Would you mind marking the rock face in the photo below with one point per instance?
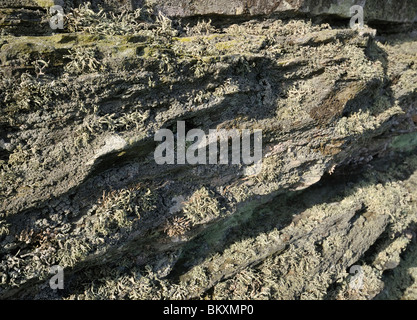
(30, 16)
(388, 11)
(80, 187)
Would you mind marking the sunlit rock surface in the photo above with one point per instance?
(80, 188)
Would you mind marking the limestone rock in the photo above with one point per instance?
(80, 187)
(399, 11)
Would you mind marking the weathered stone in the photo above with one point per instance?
(398, 11)
(27, 3)
(80, 187)
(386, 11)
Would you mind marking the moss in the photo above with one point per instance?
(227, 45)
(176, 226)
(130, 78)
(150, 52)
(406, 142)
(184, 39)
(202, 207)
(84, 19)
(83, 60)
(83, 38)
(45, 3)
(73, 251)
(362, 121)
(4, 229)
(119, 209)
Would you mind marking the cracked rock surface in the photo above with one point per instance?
(80, 188)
